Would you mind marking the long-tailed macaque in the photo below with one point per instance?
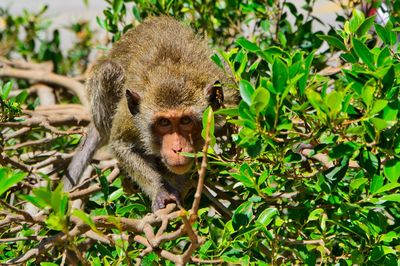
(147, 98)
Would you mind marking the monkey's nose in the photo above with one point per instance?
(176, 150)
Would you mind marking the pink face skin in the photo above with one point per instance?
(177, 130)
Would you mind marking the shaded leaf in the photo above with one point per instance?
(363, 52)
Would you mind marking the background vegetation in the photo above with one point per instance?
(315, 174)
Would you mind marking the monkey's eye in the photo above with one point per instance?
(186, 120)
(164, 122)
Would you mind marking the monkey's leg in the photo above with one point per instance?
(144, 171)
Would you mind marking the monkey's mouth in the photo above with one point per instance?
(180, 168)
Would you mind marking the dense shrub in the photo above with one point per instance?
(315, 175)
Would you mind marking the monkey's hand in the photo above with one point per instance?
(164, 197)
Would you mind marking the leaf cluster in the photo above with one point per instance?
(314, 178)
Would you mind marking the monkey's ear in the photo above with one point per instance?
(133, 100)
(214, 94)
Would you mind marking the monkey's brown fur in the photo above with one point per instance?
(169, 68)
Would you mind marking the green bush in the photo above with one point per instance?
(315, 176)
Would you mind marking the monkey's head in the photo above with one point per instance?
(172, 117)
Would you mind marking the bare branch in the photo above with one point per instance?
(49, 78)
(94, 188)
(44, 66)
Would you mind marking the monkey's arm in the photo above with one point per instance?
(143, 169)
(104, 89)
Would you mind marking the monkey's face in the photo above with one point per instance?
(177, 132)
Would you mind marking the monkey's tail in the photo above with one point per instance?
(82, 157)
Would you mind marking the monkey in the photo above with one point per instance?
(147, 98)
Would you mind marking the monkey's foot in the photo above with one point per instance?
(163, 198)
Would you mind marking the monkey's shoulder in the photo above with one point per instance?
(123, 124)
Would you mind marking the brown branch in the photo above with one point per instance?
(45, 94)
(58, 108)
(56, 157)
(4, 160)
(320, 242)
(225, 212)
(59, 120)
(94, 188)
(44, 66)
(30, 143)
(49, 78)
(17, 133)
(198, 260)
(203, 168)
(23, 238)
(44, 245)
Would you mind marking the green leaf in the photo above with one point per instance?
(35, 200)
(217, 60)
(56, 222)
(280, 73)
(228, 111)
(334, 102)
(369, 162)
(348, 57)
(208, 118)
(363, 52)
(334, 174)
(260, 99)
(384, 57)
(136, 207)
(379, 123)
(382, 33)
(303, 80)
(379, 251)
(365, 26)
(116, 195)
(333, 41)
(391, 197)
(376, 184)
(388, 79)
(356, 183)
(292, 157)
(315, 214)
(246, 91)
(102, 23)
(367, 94)
(356, 20)
(343, 149)
(6, 90)
(85, 218)
(266, 216)
(136, 13)
(387, 187)
(242, 215)
(262, 178)
(7, 181)
(248, 45)
(245, 180)
(21, 97)
(392, 170)
(389, 237)
(378, 106)
(117, 6)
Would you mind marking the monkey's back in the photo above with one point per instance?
(161, 57)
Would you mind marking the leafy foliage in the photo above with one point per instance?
(315, 177)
